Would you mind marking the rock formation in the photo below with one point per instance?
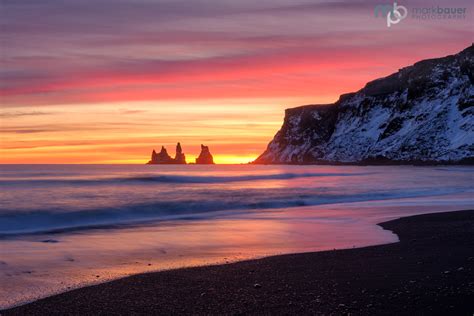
(205, 157)
(179, 158)
(163, 158)
(422, 114)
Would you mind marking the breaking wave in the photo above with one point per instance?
(59, 220)
(178, 178)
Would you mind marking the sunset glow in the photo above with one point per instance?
(80, 86)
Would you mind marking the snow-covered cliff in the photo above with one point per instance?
(422, 113)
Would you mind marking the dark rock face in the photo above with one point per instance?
(422, 113)
(205, 157)
(179, 158)
(163, 158)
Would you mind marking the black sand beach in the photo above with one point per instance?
(429, 272)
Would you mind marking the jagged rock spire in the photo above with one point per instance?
(205, 157)
(161, 158)
(179, 158)
(164, 158)
(164, 151)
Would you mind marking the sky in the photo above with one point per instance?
(107, 81)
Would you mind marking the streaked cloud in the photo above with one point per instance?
(15, 114)
(84, 73)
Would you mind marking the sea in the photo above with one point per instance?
(68, 226)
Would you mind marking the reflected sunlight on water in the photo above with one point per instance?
(96, 223)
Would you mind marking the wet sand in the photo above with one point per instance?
(430, 271)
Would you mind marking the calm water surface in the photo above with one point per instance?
(64, 226)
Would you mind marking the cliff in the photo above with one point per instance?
(424, 113)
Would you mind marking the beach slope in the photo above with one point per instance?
(430, 271)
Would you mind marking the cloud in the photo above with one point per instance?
(15, 114)
(125, 111)
(24, 131)
(69, 51)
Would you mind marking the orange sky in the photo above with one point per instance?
(235, 130)
(101, 82)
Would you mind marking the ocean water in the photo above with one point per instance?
(65, 226)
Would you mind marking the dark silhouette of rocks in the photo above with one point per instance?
(160, 158)
(179, 158)
(205, 157)
(163, 158)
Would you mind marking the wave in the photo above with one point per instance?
(56, 220)
(177, 178)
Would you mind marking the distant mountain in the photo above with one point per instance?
(422, 114)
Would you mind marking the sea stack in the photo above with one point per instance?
(179, 158)
(163, 158)
(205, 157)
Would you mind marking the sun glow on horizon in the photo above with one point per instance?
(190, 160)
(235, 160)
(73, 89)
(236, 131)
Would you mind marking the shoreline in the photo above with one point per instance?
(376, 163)
(430, 270)
(467, 162)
